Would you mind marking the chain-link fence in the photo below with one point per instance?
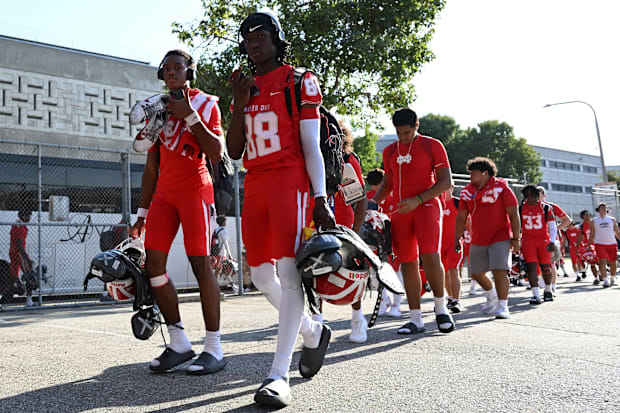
(60, 206)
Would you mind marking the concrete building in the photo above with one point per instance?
(54, 94)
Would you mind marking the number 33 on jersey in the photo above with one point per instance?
(272, 137)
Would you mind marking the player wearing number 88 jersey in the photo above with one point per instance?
(281, 153)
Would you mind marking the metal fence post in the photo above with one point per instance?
(40, 199)
(238, 227)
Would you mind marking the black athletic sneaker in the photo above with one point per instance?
(578, 279)
(596, 281)
(456, 307)
(583, 275)
(548, 296)
(535, 300)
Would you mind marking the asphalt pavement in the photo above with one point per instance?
(561, 356)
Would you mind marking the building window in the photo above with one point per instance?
(590, 169)
(543, 163)
(564, 165)
(545, 185)
(567, 188)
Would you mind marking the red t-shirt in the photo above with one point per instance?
(18, 232)
(182, 164)
(533, 222)
(272, 137)
(344, 214)
(449, 224)
(585, 231)
(572, 234)
(388, 206)
(412, 167)
(487, 206)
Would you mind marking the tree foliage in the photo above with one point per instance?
(613, 176)
(366, 148)
(495, 140)
(365, 52)
(441, 127)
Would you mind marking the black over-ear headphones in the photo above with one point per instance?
(189, 72)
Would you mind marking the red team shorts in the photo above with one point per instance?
(535, 250)
(273, 217)
(419, 230)
(574, 257)
(606, 252)
(191, 211)
(451, 259)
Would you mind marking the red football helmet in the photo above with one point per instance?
(587, 254)
(121, 290)
(376, 232)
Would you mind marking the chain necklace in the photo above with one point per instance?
(400, 160)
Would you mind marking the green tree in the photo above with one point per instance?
(613, 176)
(365, 52)
(441, 127)
(366, 148)
(495, 140)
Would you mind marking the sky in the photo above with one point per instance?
(495, 59)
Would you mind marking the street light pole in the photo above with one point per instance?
(598, 134)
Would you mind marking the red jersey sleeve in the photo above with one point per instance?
(209, 112)
(387, 155)
(440, 156)
(310, 90)
(557, 211)
(509, 198)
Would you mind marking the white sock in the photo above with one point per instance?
(311, 331)
(491, 294)
(415, 316)
(502, 305)
(292, 305)
(265, 279)
(213, 345)
(473, 284)
(357, 315)
(552, 287)
(536, 292)
(548, 288)
(178, 339)
(440, 305)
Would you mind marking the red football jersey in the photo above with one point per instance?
(411, 166)
(272, 137)
(585, 231)
(533, 222)
(557, 211)
(182, 164)
(449, 224)
(487, 207)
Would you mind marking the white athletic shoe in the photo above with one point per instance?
(489, 307)
(472, 290)
(147, 109)
(358, 331)
(502, 313)
(29, 302)
(606, 283)
(394, 312)
(383, 307)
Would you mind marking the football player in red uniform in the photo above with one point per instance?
(564, 221)
(604, 232)
(281, 154)
(177, 189)
(451, 259)
(389, 306)
(20, 260)
(495, 231)
(538, 229)
(417, 172)
(572, 235)
(583, 238)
